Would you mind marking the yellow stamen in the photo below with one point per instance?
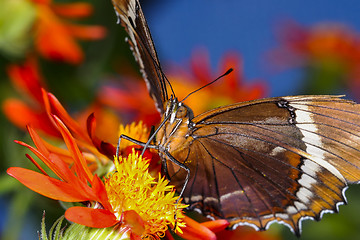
(137, 131)
(131, 187)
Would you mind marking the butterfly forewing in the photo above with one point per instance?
(132, 18)
(273, 159)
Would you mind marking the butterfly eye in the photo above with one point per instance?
(181, 112)
(184, 112)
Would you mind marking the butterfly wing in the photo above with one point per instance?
(132, 18)
(277, 159)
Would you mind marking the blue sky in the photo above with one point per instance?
(179, 27)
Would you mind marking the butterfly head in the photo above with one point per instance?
(176, 111)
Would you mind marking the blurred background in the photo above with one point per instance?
(78, 52)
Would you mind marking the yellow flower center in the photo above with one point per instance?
(132, 188)
(137, 131)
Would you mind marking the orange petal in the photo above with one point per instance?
(216, 225)
(82, 169)
(36, 164)
(91, 127)
(107, 122)
(103, 147)
(38, 141)
(86, 32)
(134, 221)
(62, 114)
(53, 161)
(27, 78)
(100, 191)
(72, 10)
(195, 230)
(64, 153)
(96, 218)
(58, 167)
(47, 186)
(21, 115)
(53, 39)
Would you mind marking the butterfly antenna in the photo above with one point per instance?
(223, 75)
(167, 80)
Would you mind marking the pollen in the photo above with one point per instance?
(137, 131)
(132, 188)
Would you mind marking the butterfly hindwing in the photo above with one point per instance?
(132, 18)
(280, 159)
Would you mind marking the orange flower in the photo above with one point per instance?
(55, 38)
(329, 53)
(130, 196)
(77, 184)
(29, 82)
(321, 42)
(37, 112)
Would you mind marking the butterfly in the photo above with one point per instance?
(281, 159)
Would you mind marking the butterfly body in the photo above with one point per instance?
(282, 159)
(174, 136)
(176, 127)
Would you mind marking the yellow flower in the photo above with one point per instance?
(137, 131)
(132, 189)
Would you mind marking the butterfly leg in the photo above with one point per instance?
(164, 169)
(133, 141)
(183, 166)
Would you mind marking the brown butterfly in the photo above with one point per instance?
(281, 159)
